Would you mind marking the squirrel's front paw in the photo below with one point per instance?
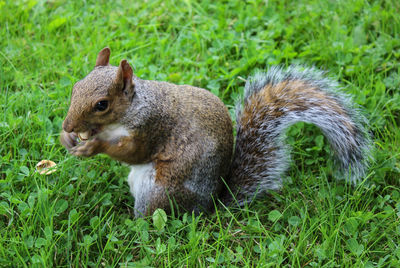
(69, 140)
(87, 148)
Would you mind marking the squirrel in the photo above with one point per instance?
(178, 139)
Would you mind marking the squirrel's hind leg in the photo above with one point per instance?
(150, 193)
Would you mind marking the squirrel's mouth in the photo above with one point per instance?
(84, 136)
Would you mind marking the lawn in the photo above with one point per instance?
(82, 215)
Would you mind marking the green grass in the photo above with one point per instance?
(82, 214)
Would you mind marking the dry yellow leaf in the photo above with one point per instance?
(46, 167)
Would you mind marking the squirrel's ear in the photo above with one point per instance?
(103, 57)
(124, 77)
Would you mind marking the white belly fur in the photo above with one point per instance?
(113, 132)
(141, 180)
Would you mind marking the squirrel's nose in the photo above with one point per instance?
(67, 126)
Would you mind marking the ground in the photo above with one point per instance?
(81, 215)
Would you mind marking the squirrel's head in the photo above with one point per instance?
(102, 97)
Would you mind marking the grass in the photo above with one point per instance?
(82, 214)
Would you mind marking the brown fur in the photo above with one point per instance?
(288, 95)
(176, 128)
(183, 135)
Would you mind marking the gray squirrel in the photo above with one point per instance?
(178, 139)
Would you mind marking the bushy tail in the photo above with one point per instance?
(279, 98)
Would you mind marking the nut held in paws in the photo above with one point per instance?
(84, 135)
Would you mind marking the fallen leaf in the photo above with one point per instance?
(46, 167)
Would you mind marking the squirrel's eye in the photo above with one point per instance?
(101, 106)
